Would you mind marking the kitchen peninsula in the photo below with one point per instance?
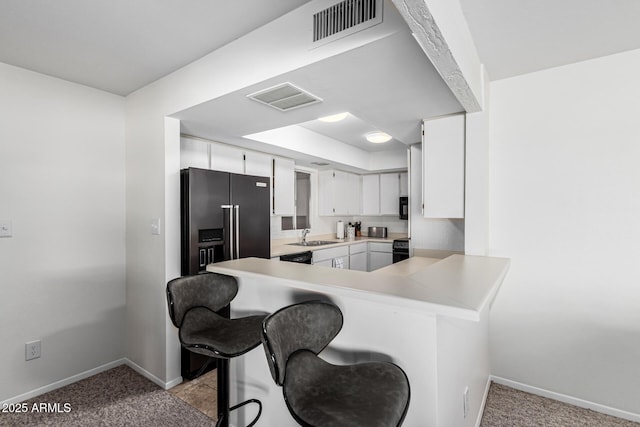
(428, 316)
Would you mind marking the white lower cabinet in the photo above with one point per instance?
(358, 256)
(380, 255)
(332, 257)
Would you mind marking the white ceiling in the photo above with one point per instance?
(521, 36)
(387, 85)
(122, 45)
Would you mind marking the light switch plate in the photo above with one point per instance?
(5, 228)
(155, 226)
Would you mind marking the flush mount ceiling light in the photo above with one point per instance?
(378, 137)
(334, 117)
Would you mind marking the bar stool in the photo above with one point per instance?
(193, 302)
(318, 393)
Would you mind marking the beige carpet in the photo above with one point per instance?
(122, 397)
(509, 407)
(117, 397)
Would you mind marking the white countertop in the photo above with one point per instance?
(458, 286)
(284, 246)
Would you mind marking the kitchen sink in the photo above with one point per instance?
(314, 243)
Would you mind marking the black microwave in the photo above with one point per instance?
(404, 207)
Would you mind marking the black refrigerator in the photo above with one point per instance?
(224, 216)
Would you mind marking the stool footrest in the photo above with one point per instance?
(241, 404)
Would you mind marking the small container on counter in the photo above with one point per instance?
(351, 233)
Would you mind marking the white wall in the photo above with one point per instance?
(565, 207)
(62, 184)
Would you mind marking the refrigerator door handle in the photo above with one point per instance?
(237, 231)
(230, 207)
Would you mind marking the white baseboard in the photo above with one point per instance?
(148, 375)
(91, 372)
(58, 384)
(484, 401)
(568, 399)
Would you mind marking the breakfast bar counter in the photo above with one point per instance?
(457, 286)
(429, 316)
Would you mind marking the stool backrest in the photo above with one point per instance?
(211, 290)
(309, 325)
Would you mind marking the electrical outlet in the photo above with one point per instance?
(465, 402)
(32, 350)
(5, 228)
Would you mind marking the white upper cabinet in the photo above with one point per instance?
(354, 188)
(338, 193)
(194, 153)
(389, 193)
(325, 193)
(381, 193)
(227, 158)
(443, 149)
(258, 164)
(404, 184)
(371, 194)
(284, 181)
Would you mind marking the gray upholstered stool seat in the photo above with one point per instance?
(206, 332)
(194, 303)
(318, 393)
(365, 394)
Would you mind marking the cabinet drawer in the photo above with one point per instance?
(324, 254)
(357, 248)
(380, 247)
(334, 263)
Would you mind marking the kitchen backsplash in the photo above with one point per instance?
(326, 224)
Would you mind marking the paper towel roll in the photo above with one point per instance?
(340, 230)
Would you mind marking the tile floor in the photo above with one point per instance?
(200, 393)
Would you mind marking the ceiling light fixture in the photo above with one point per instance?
(378, 137)
(334, 117)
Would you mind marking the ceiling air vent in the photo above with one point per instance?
(284, 97)
(345, 18)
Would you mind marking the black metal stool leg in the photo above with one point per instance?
(223, 397)
(223, 393)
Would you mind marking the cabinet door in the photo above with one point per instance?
(389, 193)
(379, 259)
(443, 166)
(194, 153)
(325, 193)
(358, 261)
(354, 191)
(284, 178)
(341, 193)
(371, 195)
(227, 158)
(257, 164)
(404, 184)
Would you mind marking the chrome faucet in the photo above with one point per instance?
(304, 235)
